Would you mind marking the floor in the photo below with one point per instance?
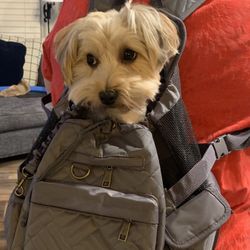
(7, 182)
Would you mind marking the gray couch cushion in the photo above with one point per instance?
(19, 142)
(21, 120)
(20, 113)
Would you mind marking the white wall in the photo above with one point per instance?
(25, 18)
(20, 18)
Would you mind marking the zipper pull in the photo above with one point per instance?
(123, 235)
(107, 179)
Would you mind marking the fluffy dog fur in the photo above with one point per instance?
(106, 37)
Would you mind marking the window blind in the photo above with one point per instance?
(20, 18)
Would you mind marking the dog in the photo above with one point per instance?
(111, 61)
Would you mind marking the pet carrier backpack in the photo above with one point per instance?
(104, 185)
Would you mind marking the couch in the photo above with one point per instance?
(21, 118)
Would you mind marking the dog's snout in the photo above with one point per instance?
(108, 97)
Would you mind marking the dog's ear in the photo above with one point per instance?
(168, 39)
(66, 48)
(159, 33)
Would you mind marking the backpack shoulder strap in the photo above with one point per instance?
(30, 164)
(197, 175)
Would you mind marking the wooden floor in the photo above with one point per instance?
(7, 183)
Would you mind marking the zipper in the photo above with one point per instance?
(107, 179)
(133, 162)
(123, 235)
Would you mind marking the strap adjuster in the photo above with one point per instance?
(220, 147)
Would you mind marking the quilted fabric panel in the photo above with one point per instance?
(139, 144)
(59, 229)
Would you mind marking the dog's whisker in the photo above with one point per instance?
(129, 103)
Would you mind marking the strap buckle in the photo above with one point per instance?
(19, 189)
(220, 147)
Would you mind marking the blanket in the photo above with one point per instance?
(21, 88)
(216, 89)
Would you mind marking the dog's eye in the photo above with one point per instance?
(129, 55)
(92, 61)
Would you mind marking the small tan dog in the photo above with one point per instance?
(111, 61)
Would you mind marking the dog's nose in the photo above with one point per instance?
(108, 97)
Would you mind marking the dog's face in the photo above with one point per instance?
(111, 60)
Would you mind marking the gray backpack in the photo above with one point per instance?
(109, 186)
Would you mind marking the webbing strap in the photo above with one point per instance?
(46, 100)
(197, 175)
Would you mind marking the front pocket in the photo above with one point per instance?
(91, 218)
(108, 175)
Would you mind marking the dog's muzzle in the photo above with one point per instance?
(108, 97)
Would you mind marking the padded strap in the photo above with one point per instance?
(196, 176)
(181, 8)
(238, 140)
(61, 105)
